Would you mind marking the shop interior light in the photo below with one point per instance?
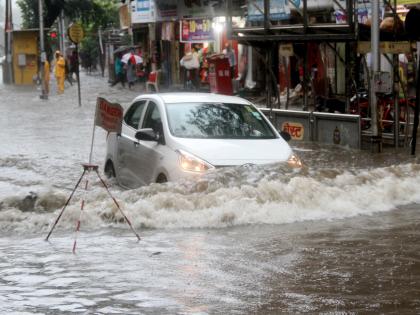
(217, 27)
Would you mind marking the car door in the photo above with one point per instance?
(127, 142)
(147, 157)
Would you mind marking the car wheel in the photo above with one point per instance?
(161, 179)
(109, 170)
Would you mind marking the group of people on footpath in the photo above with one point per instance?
(130, 68)
(63, 69)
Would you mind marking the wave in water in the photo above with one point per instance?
(232, 196)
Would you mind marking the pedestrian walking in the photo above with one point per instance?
(191, 63)
(131, 73)
(119, 71)
(131, 60)
(60, 71)
(73, 65)
(67, 72)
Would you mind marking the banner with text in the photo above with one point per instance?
(108, 115)
(196, 31)
(143, 11)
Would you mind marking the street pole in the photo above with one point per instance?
(396, 85)
(376, 139)
(131, 7)
(44, 95)
(8, 43)
(78, 76)
(62, 34)
(416, 110)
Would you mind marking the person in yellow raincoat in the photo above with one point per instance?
(60, 71)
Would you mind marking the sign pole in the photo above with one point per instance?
(76, 34)
(93, 134)
(78, 76)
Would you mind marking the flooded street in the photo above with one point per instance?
(340, 236)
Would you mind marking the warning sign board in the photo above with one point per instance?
(108, 115)
(76, 33)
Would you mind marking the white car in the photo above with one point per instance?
(169, 136)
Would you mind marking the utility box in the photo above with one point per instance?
(219, 75)
(25, 56)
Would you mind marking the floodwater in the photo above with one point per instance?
(340, 236)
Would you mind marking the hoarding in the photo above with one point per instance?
(143, 11)
(196, 30)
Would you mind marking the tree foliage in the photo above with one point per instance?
(92, 13)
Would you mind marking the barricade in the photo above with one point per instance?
(340, 129)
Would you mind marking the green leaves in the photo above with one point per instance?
(92, 13)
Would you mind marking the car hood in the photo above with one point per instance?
(236, 152)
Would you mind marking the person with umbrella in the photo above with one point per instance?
(130, 60)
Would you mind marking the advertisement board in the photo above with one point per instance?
(143, 11)
(196, 31)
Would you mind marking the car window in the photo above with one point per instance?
(133, 115)
(152, 118)
(217, 121)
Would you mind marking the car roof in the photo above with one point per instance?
(182, 97)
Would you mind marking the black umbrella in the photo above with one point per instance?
(121, 49)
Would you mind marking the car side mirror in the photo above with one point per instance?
(146, 134)
(285, 135)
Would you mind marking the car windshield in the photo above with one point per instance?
(217, 121)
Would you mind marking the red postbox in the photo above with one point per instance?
(219, 75)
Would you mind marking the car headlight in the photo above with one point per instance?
(294, 161)
(190, 163)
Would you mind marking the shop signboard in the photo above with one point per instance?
(143, 11)
(403, 47)
(196, 31)
(279, 9)
(196, 8)
(166, 9)
(405, 2)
